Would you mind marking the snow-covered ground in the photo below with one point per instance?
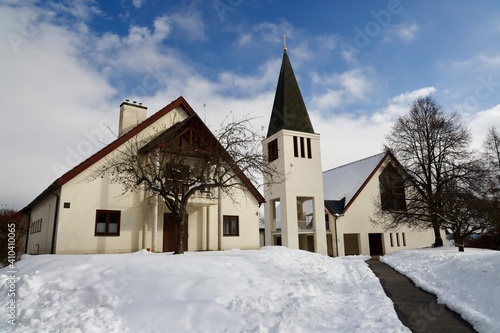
(468, 282)
(271, 290)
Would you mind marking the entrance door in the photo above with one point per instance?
(376, 248)
(351, 244)
(170, 232)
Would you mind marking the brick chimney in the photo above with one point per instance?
(131, 114)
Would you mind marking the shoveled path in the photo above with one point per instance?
(417, 309)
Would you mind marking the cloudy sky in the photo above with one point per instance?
(65, 67)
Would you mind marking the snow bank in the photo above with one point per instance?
(467, 282)
(271, 290)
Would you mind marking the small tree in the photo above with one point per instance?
(186, 159)
(432, 147)
(13, 229)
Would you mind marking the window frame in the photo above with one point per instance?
(108, 214)
(230, 219)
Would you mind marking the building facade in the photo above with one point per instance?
(80, 214)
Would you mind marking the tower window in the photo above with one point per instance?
(302, 148)
(272, 150)
(295, 147)
(309, 152)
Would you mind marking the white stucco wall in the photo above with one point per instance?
(76, 224)
(41, 242)
(303, 178)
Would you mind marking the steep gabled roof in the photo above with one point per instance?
(347, 181)
(179, 102)
(289, 110)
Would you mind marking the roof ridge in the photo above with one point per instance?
(350, 163)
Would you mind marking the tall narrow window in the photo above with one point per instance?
(309, 152)
(107, 223)
(295, 147)
(272, 150)
(392, 240)
(397, 238)
(231, 225)
(392, 189)
(302, 148)
(404, 238)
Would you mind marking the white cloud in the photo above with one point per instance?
(82, 9)
(191, 24)
(406, 32)
(138, 3)
(480, 122)
(400, 104)
(341, 89)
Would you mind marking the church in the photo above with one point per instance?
(326, 212)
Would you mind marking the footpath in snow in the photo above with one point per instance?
(271, 290)
(467, 282)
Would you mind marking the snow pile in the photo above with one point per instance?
(467, 282)
(271, 290)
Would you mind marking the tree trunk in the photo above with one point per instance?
(459, 242)
(437, 235)
(179, 246)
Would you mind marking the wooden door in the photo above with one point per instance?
(170, 232)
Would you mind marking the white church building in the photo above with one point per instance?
(325, 212)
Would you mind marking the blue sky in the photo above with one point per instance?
(67, 65)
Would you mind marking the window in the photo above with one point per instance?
(309, 152)
(302, 148)
(397, 238)
(36, 226)
(295, 147)
(66, 205)
(392, 189)
(392, 241)
(404, 238)
(231, 225)
(272, 150)
(107, 223)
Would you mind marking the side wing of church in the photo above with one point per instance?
(77, 215)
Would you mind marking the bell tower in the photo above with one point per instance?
(294, 208)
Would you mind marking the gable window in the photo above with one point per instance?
(392, 189)
(231, 225)
(272, 150)
(107, 223)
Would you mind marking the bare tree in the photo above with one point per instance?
(492, 148)
(433, 149)
(467, 208)
(188, 158)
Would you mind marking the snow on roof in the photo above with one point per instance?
(346, 180)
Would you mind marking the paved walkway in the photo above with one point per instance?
(417, 309)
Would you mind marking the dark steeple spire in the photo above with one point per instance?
(289, 111)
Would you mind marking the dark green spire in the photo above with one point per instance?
(289, 111)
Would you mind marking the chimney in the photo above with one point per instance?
(131, 114)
